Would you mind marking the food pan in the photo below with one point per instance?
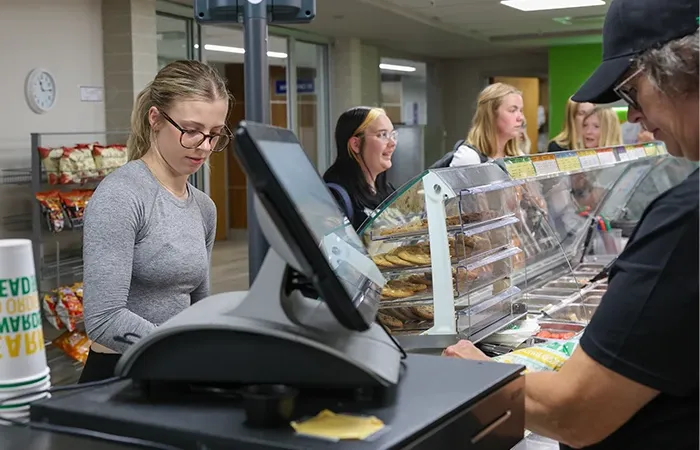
(552, 292)
(554, 326)
(591, 268)
(573, 312)
(591, 298)
(571, 285)
(535, 303)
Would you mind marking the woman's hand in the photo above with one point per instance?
(465, 350)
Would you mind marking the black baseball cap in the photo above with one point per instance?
(631, 28)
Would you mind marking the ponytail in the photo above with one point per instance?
(140, 137)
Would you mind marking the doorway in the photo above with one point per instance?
(298, 100)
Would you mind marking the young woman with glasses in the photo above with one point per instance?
(365, 139)
(148, 233)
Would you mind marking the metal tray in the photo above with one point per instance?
(571, 285)
(593, 268)
(583, 313)
(536, 303)
(561, 326)
(552, 292)
(591, 298)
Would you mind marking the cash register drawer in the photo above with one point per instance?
(496, 422)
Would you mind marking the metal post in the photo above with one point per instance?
(257, 109)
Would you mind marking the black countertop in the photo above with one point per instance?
(433, 390)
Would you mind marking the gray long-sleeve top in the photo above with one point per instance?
(146, 254)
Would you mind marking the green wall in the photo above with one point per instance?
(569, 67)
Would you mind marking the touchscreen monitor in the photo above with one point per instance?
(324, 242)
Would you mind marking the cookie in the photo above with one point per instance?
(391, 323)
(424, 312)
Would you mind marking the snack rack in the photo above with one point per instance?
(444, 243)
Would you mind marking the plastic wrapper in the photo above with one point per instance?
(77, 165)
(52, 208)
(546, 357)
(50, 158)
(74, 344)
(69, 308)
(49, 302)
(74, 202)
(109, 158)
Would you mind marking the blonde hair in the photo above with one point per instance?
(524, 144)
(569, 137)
(372, 115)
(482, 134)
(178, 81)
(610, 128)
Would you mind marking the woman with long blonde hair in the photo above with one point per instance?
(148, 233)
(570, 136)
(601, 128)
(496, 126)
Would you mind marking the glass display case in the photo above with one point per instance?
(468, 251)
(446, 245)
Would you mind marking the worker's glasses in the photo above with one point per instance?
(628, 94)
(385, 135)
(192, 139)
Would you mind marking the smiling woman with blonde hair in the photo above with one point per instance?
(570, 136)
(601, 128)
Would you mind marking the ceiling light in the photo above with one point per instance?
(397, 68)
(239, 51)
(541, 5)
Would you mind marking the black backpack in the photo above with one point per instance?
(446, 160)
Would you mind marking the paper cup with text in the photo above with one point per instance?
(22, 353)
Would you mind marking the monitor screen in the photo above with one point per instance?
(306, 213)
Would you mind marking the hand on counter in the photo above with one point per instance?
(465, 350)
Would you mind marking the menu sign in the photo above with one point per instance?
(650, 149)
(568, 161)
(520, 167)
(606, 156)
(588, 158)
(545, 164)
(622, 154)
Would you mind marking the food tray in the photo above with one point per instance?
(535, 303)
(583, 313)
(554, 326)
(571, 285)
(554, 292)
(591, 298)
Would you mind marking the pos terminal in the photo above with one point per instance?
(305, 329)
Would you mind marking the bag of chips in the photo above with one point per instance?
(549, 356)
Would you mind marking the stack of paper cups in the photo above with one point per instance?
(23, 368)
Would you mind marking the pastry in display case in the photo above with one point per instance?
(444, 243)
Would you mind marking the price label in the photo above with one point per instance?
(661, 148)
(545, 164)
(650, 149)
(622, 154)
(588, 158)
(568, 161)
(519, 168)
(606, 156)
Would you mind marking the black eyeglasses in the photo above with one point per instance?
(628, 94)
(192, 139)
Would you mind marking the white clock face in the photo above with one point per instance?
(41, 91)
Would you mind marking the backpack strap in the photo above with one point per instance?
(344, 196)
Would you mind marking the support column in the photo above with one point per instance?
(356, 77)
(130, 56)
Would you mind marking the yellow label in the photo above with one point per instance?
(519, 168)
(568, 161)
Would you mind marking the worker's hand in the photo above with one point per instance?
(465, 350)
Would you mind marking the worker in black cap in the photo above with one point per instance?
(632, 383)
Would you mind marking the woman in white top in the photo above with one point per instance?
(496, 126)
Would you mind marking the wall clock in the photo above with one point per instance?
(40, 91)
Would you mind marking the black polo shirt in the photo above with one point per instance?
(646, 328)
